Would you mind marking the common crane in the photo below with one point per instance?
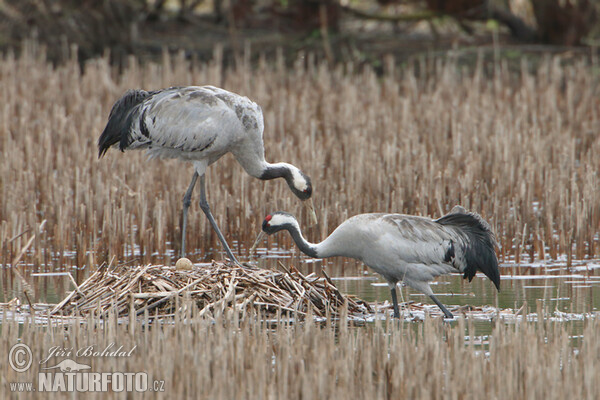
(411, 249)
(198, 124)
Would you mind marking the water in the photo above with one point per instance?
(565, 295)
(572, 289)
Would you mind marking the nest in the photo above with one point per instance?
(156, 289)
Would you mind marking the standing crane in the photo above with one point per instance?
(411, 249)
(198, 124)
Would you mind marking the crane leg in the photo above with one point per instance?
(447, 313)
(187, 200)
(205, 207)
(395, 302)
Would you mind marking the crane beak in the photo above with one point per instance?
(259, 238)
(311, 211)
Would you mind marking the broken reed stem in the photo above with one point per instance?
(213, 288)
(225, 358)
(519, 148)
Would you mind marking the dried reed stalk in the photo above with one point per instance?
(225, 358)
(155, 289)
(520, 147)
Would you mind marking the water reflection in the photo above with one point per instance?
(563, 294)
(567, 295)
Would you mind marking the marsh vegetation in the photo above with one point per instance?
(227, 358)
(517, 145)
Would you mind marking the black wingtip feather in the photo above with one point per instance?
(449, 253)
(120, 119)
(480, 251)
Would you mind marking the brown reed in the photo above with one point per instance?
(155, 288)
(229, 358)
(521, 149)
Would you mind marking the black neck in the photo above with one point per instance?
(276, 171)
(307, 248)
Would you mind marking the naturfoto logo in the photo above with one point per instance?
(65, 374)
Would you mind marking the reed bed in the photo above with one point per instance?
(521, 148)
(228, 358)
(158, 289)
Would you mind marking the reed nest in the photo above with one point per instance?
(215, 287)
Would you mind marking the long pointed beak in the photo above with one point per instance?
(311, 210)
(259, 238)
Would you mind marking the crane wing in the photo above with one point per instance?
(187, 119)
(418, 240)
(183, 119)
(477, 244)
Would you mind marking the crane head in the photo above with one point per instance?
(278, 221)
(274, 223)
(299, 183)
(301, 186)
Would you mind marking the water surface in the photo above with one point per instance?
(565, 294)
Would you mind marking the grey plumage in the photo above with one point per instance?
(405, 248)
(198, 124)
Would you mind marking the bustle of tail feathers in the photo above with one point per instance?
(479, 244)
(120, 120)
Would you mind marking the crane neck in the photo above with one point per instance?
(277, 170)
(255, 165)
(298, 183)
(310, 249)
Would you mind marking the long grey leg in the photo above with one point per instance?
(187, 200)
(447, 313)
(395, 302)
(205, 207)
